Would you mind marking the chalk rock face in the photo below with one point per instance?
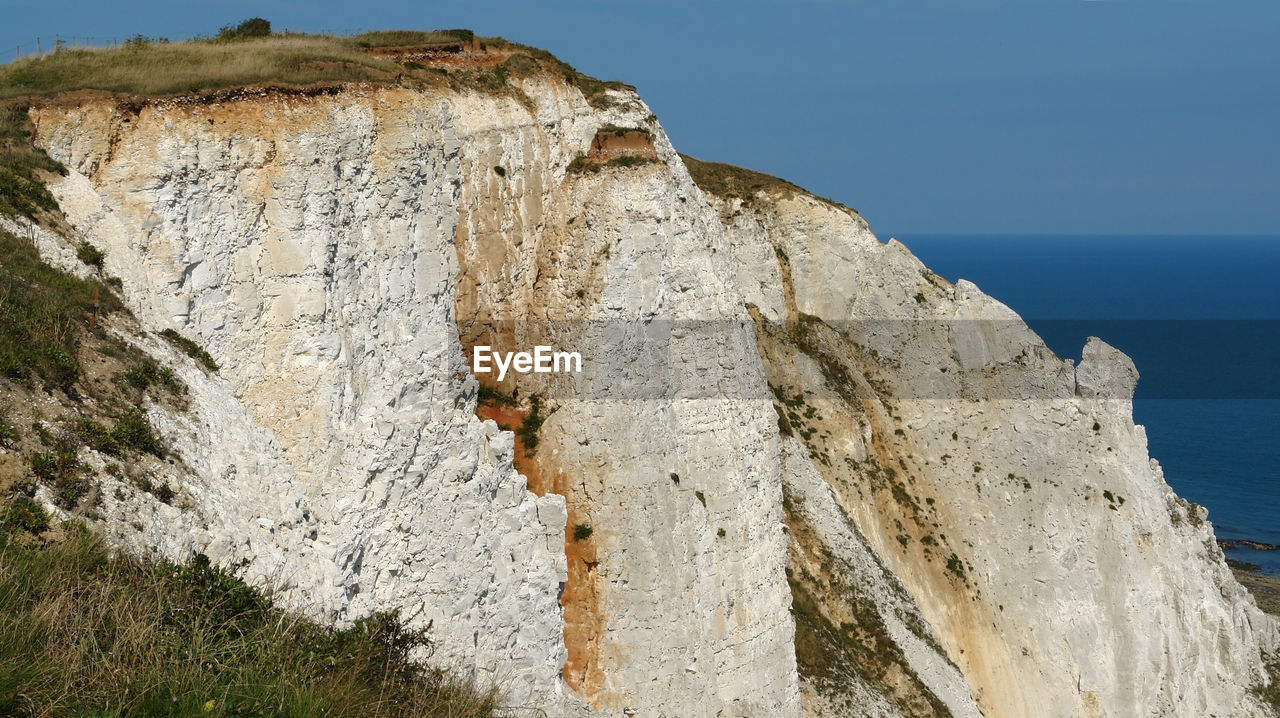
(326, 249)
(798, 473)
(307, 244)
(1010, 492)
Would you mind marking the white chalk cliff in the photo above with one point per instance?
(818, 478)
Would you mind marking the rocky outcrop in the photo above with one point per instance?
(799, 471)
(1009, 491)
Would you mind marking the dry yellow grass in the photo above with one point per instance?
(197, 66)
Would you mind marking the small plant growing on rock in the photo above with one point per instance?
(90, 255)
(581, 532)
(190, 348)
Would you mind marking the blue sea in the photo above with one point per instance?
(1200, 316)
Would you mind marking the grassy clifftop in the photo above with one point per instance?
(156, 68)
(733, 182)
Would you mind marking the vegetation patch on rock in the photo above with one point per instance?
(131, 637)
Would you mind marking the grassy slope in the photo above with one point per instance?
(83, 633)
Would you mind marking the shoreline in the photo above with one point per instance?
(1232, 544)
(1264, 587)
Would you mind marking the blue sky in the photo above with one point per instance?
(929, 116)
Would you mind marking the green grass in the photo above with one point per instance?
(596, 91)
(43, 312)
(829, 651)
(1270, 693)
(21, 190)
(734, 182)
(23, 514)
(83, 633)
(582, 163)
(413, 38)
(622, 131)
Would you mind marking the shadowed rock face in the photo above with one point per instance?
(961, 522)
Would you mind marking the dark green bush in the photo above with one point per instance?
(528, 431)
(581, 532)
(629, 161)
(253, 27)
(148, 373)
(90, 255)
(61, 470)
(97, 437)
(132, 431)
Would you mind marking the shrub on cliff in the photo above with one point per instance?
(253, 27)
